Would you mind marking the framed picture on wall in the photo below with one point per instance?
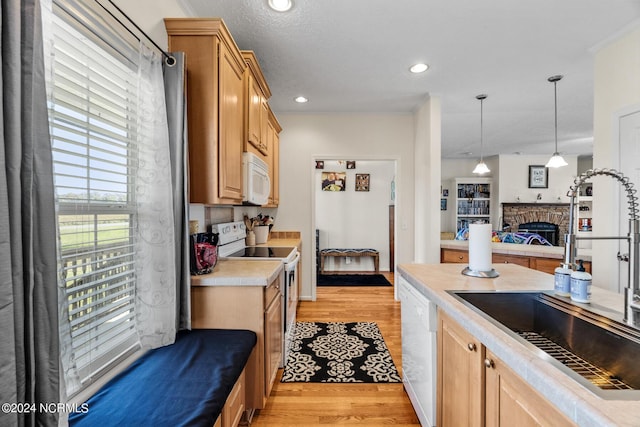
(333, 181)
(319, 164)
(351, 164)
(362, 182)
(443, 204)
(538, 176)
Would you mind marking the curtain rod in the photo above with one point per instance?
(170, 60)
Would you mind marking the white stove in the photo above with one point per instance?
(231, 245)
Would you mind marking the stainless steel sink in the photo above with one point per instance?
(598, 352)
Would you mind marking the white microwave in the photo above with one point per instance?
(256, 184)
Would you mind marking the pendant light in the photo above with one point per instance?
(481, 168)
(556, 159)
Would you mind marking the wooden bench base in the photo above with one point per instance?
(349, 253)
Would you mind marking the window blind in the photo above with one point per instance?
(92, 116)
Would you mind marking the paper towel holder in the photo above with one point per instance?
(484, 274)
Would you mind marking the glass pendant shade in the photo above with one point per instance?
(556, 161)
(481, 168)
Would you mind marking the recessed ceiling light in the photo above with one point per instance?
(300, 99)
(418, 68)
(280, 5)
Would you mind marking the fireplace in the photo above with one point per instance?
(545, 229)
(518, 216)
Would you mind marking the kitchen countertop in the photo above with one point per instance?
(578, 403)
(240, 273)
(249, 272)
(540, 251)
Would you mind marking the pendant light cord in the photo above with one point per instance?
(481, 98)
(555, 103)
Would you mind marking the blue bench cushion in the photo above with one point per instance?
(185, 383)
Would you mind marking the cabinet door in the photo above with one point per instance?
(273, 341)
(460, 379)
(512, 402)
(231, 129)
(274, 154)
(453, 256)
(254, 99)
(510, 259)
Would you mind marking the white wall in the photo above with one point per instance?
(514, 179)
(355, 219)
(616, 87)
(149, 15)
(306, 137)
(427, 154)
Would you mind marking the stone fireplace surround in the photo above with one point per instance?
(515, 214)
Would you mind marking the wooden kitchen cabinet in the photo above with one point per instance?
(273, 141)
(454, 256)
(215, 70)
(475, 388)
(256, 95)
(256, 308)
(460, 396)
(547, 265)
(511, 401)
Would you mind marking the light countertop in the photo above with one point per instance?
(240, 273)
(540, 251)
(248, 272)
(578, 403)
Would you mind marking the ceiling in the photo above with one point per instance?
(353, 56)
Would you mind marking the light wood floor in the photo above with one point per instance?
(320, 404)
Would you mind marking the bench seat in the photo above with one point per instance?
(185, 383)
(341, 252)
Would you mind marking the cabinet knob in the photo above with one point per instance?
(460, 257)
(488, 363)
(471, 346)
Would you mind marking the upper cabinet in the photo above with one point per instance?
(215, 108)
(273, 143)
(256, 95)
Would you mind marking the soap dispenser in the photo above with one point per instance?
(580, 284)
(562, 280)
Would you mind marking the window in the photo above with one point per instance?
(92, 116)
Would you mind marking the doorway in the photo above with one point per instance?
(352, 199)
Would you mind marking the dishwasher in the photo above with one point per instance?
(419, 326)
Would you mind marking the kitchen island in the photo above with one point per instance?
(578, 405)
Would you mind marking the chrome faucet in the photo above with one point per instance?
(632, 290)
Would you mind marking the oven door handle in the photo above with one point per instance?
(290, 266)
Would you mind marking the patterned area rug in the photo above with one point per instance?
(339, 352)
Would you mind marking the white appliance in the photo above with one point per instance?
(419, 327)
(256, 184)
(231, 245)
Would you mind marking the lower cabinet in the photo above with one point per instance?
(475, 388)
(256, 308)
(547, 265)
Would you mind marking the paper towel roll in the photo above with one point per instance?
(480, 247)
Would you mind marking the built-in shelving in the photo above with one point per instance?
(473, 201)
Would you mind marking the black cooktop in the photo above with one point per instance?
(262, 252)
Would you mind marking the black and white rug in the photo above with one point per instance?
(339, 352)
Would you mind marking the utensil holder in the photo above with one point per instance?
(262, 233)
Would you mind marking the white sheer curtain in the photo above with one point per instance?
(155, 250)
(146, 197)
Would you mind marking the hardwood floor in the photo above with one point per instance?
(321, 404)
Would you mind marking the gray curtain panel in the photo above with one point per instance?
(29, 352)
(174, 81)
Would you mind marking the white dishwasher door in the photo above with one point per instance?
(419, 326)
